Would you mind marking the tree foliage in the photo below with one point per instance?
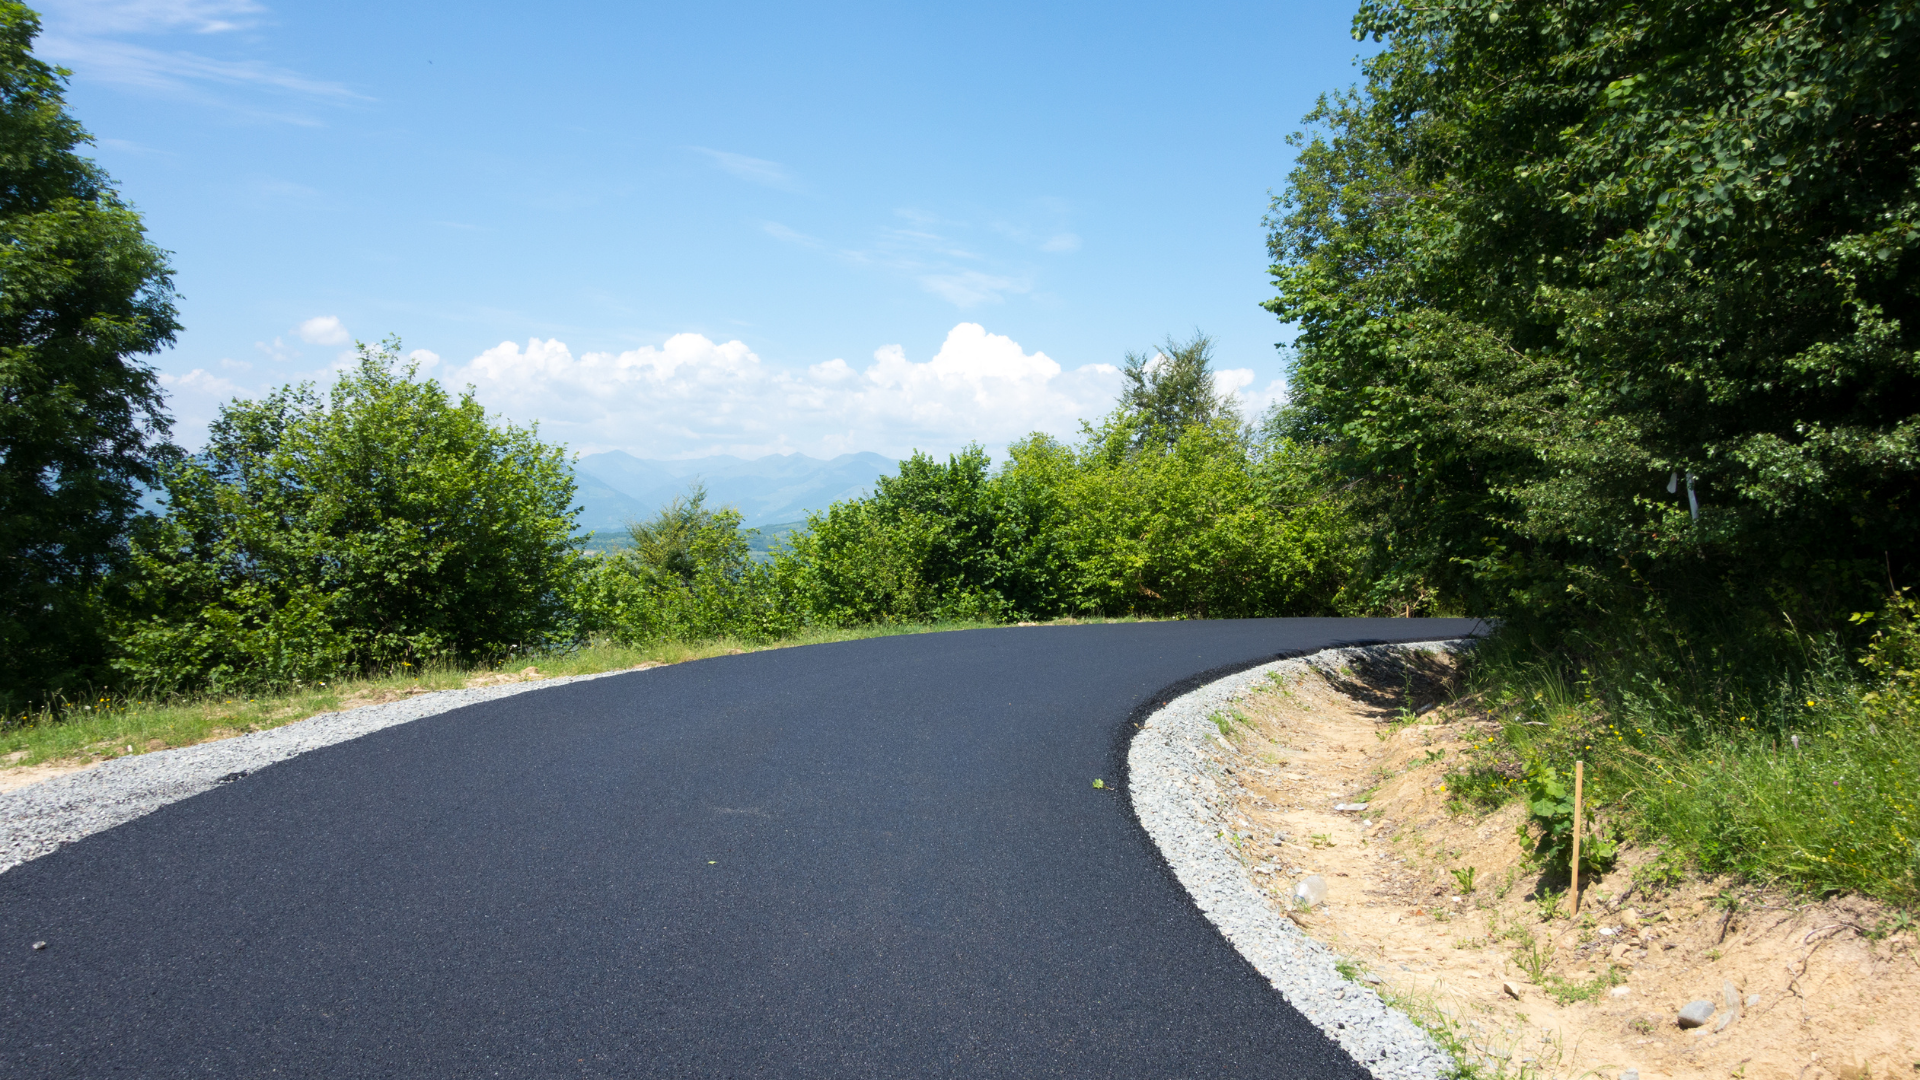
(83, 296)
(1608, 310)
(382, 525)
(1171, 389)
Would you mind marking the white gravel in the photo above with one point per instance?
(37, 819)
(1182, 797)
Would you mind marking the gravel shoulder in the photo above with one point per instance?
(1184, 795)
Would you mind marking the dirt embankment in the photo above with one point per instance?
(1440, 911)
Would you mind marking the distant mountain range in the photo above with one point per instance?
(615, 487)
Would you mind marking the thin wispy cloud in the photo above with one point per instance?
(102, 42)
(791, 236)
(967, 273)
(970, 288)
(751, 169)
(149, 16)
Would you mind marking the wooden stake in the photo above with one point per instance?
(1579, 774)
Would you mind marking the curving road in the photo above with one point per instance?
(881, 858)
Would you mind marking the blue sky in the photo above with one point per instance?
(681, 229)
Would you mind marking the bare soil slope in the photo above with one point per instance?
(1802, 989)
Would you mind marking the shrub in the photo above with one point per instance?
(386, 524)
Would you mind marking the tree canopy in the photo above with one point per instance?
(1610, 308)
(385, 524)
(83, 295)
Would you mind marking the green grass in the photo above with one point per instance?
(1806, 776)
(1567, 991)
(106, 726)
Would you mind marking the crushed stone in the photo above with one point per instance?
(1182, 800)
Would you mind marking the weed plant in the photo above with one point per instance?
(1800, 771)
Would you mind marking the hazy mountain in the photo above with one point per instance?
(615, 487)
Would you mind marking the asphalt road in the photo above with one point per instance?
(881, 858)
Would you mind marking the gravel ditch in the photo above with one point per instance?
(37, 819)
(1182, 798)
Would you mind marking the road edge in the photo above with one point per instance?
(1181, 799)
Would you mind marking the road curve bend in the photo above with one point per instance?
(876, 858)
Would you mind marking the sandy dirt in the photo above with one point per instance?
(1803, 989)
(14, 776)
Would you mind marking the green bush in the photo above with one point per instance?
(688, 576)
(384, 525)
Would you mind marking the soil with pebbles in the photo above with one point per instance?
(1818, 989)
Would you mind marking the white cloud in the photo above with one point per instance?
(323, 330)
(149, 16)
(1064, 242)
(91, 38)
(278, 350)
(751, 169)
(970, 288)
(200, 383)
(692, 396)
(427, 359)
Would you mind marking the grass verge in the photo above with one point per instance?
(107, 727)
(1806, 779)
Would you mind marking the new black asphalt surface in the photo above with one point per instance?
(881, 858)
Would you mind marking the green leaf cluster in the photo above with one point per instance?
(1608, 311)
(387, 523)
(83, 295)
(1550, 814)
(689, 575)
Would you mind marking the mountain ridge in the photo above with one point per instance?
(615, 487)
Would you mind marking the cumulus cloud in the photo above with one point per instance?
(323, 330)
(691, 396)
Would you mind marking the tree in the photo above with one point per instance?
(1609, 311)
(82, 427)
(1171, 389)
(668, 544)
(385, 525)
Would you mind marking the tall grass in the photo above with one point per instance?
(1804, 775)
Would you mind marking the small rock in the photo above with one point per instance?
(1696, 1014)
(1630, 1074)
(1350, 807)
(39, 946)
(1621, 991)
(1731, 997)
(1753, 1001)
(1370, 978)
(1510, 990)
(1311, 890)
